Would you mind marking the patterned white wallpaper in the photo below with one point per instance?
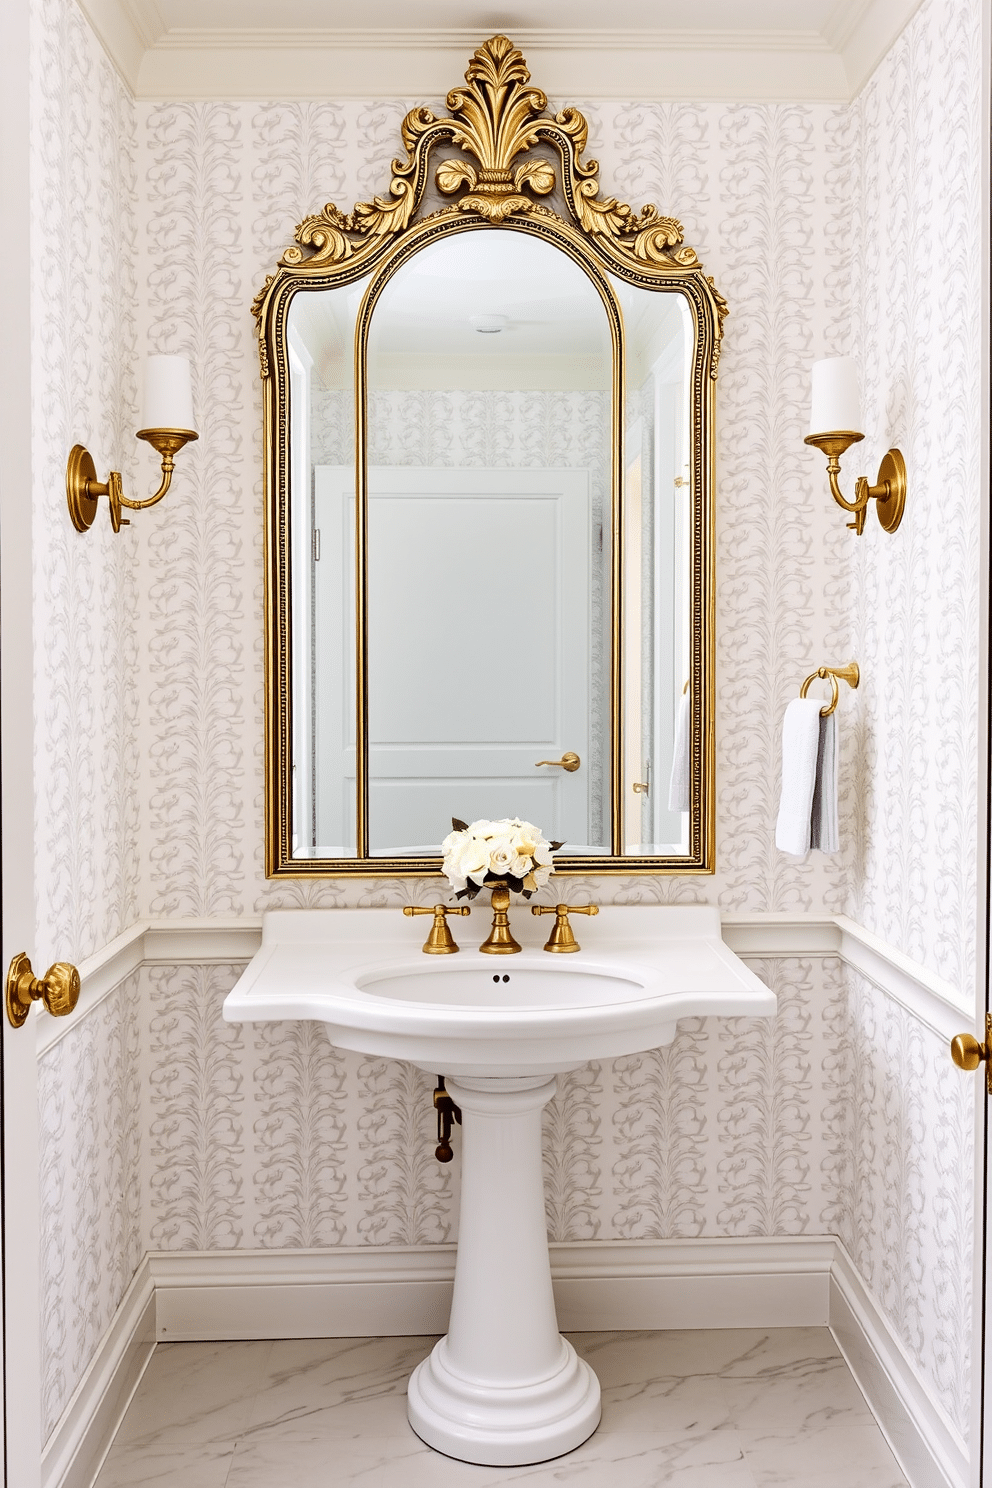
(91, 1143)
(829, 229)
(917, 288)
(750, 185)
(84, 294)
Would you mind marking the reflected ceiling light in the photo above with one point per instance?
(489, 325)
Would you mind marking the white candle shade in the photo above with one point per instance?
(836, 402)
(168, 394)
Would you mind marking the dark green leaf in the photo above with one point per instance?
(458, 826)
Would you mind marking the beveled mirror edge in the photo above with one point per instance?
(644, 249)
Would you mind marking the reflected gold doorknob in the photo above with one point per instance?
(968, 1053)
(569, 761)
(58, 989)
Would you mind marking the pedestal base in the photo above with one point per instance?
(504, 1388)
(503, 1425)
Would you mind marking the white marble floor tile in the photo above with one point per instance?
(761, 1351)
(711, 1460)
(740, 1408)
(728, 1352)
(195, 1392)
(845, 1455)
(639, 1396)
(317, 1387)
(811, 1394)
(203, 1466)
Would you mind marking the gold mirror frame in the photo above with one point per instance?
(496, 118)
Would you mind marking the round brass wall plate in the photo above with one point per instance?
(890, 508)
(79, 472)
(17, 1008)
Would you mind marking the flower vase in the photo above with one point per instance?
(500, 941)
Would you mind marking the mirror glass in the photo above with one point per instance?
(321, 368)
(498, 634)
(657, 528)
(489, 375)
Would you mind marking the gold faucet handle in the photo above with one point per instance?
(562, 938)
(58, 989)
(440, 941)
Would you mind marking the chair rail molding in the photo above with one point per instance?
(232, 940)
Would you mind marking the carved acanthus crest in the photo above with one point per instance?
(495, 119)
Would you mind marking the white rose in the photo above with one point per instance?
(525, 840)
(465, 857)
(541, 876)
(501, 856)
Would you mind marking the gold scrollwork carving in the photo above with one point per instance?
(494, 118)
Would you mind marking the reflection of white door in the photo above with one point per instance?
(479, 650)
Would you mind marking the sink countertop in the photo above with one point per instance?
(673, 958)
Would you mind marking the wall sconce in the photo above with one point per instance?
(835, 422)
(168, 426)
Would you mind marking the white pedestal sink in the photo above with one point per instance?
(503, 1388)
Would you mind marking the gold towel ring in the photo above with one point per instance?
(849, 674)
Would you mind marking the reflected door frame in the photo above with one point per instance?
(565, 655)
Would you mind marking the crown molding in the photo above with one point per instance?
(200, 63)
(867, 34)
(322, 64)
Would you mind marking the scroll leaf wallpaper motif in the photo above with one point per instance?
(150, 698)
(917, 281)
(754, 210)
(84, 195)
(91, 1143)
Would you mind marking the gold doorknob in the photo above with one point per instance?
(968, 1053)
(569, 761)
(58, 989)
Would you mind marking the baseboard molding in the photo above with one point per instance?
(599, 1286)
(929, 1449)
(76, 1448)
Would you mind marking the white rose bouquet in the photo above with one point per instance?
(510, 852)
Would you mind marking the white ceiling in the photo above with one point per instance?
(730, 49)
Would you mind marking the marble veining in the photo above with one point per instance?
(734, 1408)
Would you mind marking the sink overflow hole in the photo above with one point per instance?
(496, 978)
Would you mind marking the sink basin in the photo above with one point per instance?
(503, 1388)
(362, 974)
(532, 987)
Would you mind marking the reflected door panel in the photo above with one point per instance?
(479, 651)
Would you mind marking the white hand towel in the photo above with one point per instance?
(800, 747)
(678, 785)
(824, 832)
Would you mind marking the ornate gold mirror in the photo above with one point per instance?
(488, 403)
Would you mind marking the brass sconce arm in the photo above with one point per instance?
(83, 490)
(889, 491)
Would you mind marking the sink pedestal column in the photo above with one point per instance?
(503, 1388)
